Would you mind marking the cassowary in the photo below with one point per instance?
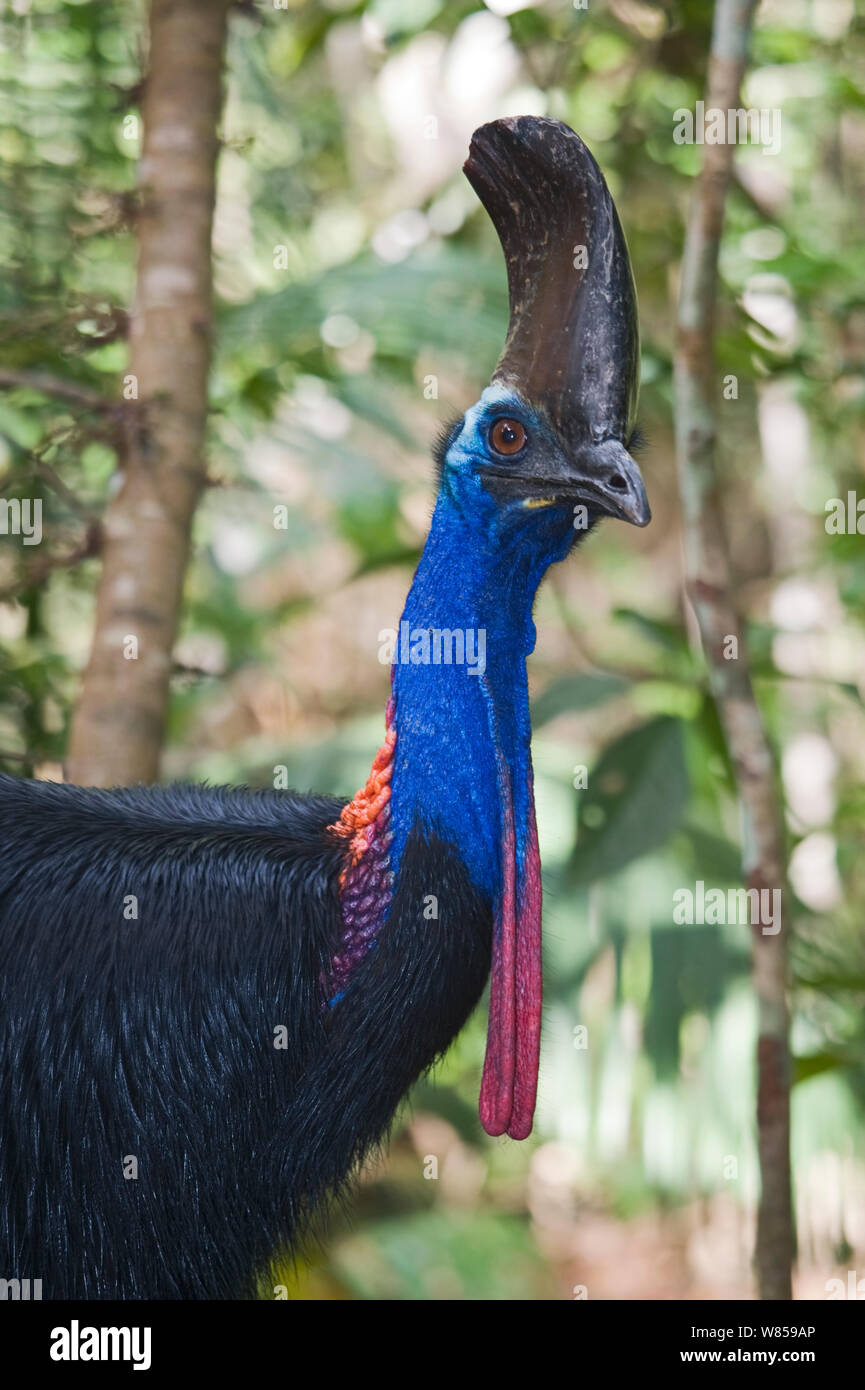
(182, 1085)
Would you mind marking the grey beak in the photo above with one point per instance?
(608, 477)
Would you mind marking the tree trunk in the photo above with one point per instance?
(710, 589)
(118, 727)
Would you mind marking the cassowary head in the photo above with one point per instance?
(545, 451)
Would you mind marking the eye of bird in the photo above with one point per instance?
(507, 436)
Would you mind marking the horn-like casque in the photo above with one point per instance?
(573, 341)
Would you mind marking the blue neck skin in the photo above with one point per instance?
(456, 724)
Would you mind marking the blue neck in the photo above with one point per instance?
(456, 724)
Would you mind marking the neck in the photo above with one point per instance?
(461, 696)
(458, 718)
(456, 767)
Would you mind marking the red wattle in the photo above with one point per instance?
(529, 985)
(497, 1086)
(510, 1078)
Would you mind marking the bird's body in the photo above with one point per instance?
(177, 1093)
(214, 1000)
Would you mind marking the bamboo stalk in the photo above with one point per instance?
(709, 584)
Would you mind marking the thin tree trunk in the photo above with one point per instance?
(709, 586)
(118, 727)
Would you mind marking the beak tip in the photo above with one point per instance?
(617, 480)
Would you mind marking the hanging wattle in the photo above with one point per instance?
(510, 1079)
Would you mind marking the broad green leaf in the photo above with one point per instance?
(635, 799)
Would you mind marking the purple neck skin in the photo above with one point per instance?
(366, 883)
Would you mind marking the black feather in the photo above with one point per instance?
(637, 442)
(443, 441)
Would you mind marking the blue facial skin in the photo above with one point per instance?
(483, 561)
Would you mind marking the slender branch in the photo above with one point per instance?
(40, 569)
(44, 471)
(710, 589)
(55, 386)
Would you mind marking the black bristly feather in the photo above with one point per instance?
(154, 1037)
(442, 442)
(638, 441)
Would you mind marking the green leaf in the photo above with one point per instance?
(371, 522)
(445, 1102)
(262, 391)
(834, 982)
(712, 858)
(399, 20)
(576, 693)
(426, 1255)
(666, 635)
(804, 1068)
(712, 741)
(636, 798)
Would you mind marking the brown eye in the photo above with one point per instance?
(507, 436)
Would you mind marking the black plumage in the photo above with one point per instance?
(155, 1037)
